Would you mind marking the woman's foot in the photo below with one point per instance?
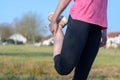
(62, 20)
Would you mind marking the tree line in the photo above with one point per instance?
(30, 26)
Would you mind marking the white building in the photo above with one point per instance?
(18, 38)
(113, 40)
(48, 42)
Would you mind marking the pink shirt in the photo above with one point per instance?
(91, 11)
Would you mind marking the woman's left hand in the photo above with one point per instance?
(104, 38)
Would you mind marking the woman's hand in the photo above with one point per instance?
(103, 38)
(53, 27)
(60, 8)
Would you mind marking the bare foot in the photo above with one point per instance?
(62, 20)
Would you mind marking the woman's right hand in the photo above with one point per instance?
(53, 27)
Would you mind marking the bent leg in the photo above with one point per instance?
(73, 44)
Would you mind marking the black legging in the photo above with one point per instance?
(80, 47)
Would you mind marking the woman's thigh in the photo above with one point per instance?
(74, 42)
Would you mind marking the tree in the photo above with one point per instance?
(31, 26)
(5, 31)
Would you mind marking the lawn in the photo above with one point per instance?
(36, 63)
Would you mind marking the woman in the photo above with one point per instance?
(85, 33)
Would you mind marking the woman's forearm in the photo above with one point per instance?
(60, 8)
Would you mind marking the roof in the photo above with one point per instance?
(113, 34)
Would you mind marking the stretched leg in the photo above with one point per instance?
(88, 55)
(72, 46)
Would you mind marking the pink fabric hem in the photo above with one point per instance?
(92, 22)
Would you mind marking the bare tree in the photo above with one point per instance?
(31, 25)
(5, 31)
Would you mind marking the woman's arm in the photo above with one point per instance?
(60, 8)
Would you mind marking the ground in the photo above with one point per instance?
(36, 63)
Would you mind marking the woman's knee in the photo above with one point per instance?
(63, 66)
(63, 71)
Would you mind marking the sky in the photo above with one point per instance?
(11, 9)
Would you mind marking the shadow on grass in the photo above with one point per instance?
(28, 54)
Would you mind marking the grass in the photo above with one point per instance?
(36, 63)
(107, 65)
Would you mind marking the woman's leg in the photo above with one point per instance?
(58, 41)
(73, 44)
(89, 53)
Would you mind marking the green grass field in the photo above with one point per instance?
(36, 63)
